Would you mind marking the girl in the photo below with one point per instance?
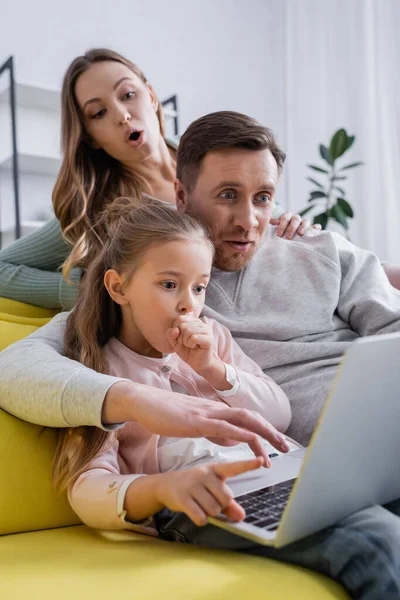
(113, 144)
(137, 317)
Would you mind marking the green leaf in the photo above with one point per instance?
(315, 182)
(317, 194)
(338, 145)
(322, 219)
(318, 169)
(352, 165)
(350, 141)
(337, 177)
(346, 208)
(339, 216)
(325, 154)
(341, 190)
(305, 211)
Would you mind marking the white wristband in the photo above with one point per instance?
(232, 378)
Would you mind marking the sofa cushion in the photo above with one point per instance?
(79, 563)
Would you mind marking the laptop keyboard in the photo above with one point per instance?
(264, 507)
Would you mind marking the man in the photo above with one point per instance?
(294, 306)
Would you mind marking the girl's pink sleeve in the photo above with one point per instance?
(256, 390)
(98, 495)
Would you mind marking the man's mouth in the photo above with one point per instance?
(240, 245)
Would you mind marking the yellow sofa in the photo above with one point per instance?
(46, 553)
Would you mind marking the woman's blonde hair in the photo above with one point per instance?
(89, 178)
(132, 228)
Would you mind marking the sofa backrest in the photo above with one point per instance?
(27, 499)
(17, 320)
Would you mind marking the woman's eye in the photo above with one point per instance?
(99, 114)
(168, 285)
(199, 289)
(227, 195)
(264, 198)
(128, 95)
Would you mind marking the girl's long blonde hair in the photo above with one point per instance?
(131, 228)
(89, 178)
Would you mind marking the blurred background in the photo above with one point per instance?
(305, 68)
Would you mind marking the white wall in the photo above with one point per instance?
(215, 54)
(35, 193)
(302, 67)
(342, 71)
(209, 52)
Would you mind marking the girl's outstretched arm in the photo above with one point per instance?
(105, 499)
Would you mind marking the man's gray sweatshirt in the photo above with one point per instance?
(294, 310)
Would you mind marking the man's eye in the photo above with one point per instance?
(168, 285)
(199, 289)
(99, 114)
(264, 198)
(228, 195)
(128, 95)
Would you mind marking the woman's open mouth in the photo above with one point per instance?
(135, 138)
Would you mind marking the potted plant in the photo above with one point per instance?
(329, 194)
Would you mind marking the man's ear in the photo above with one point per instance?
(181, 196)
(113, 283)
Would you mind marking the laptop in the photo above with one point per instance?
(352, 461)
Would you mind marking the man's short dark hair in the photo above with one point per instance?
(218, 131)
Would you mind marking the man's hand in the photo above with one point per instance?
(177, 415)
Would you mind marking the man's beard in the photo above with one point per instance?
(231, 262)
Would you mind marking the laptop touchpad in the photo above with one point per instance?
(286, 466)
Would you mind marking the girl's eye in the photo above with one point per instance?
(264, 198)
(228, 195)
(128, 95)
(168, 285)
(99, 114)
(199, 289)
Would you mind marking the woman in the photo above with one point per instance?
(113, 145)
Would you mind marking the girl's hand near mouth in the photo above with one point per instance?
(192, 340)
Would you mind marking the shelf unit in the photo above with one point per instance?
(38, 126)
